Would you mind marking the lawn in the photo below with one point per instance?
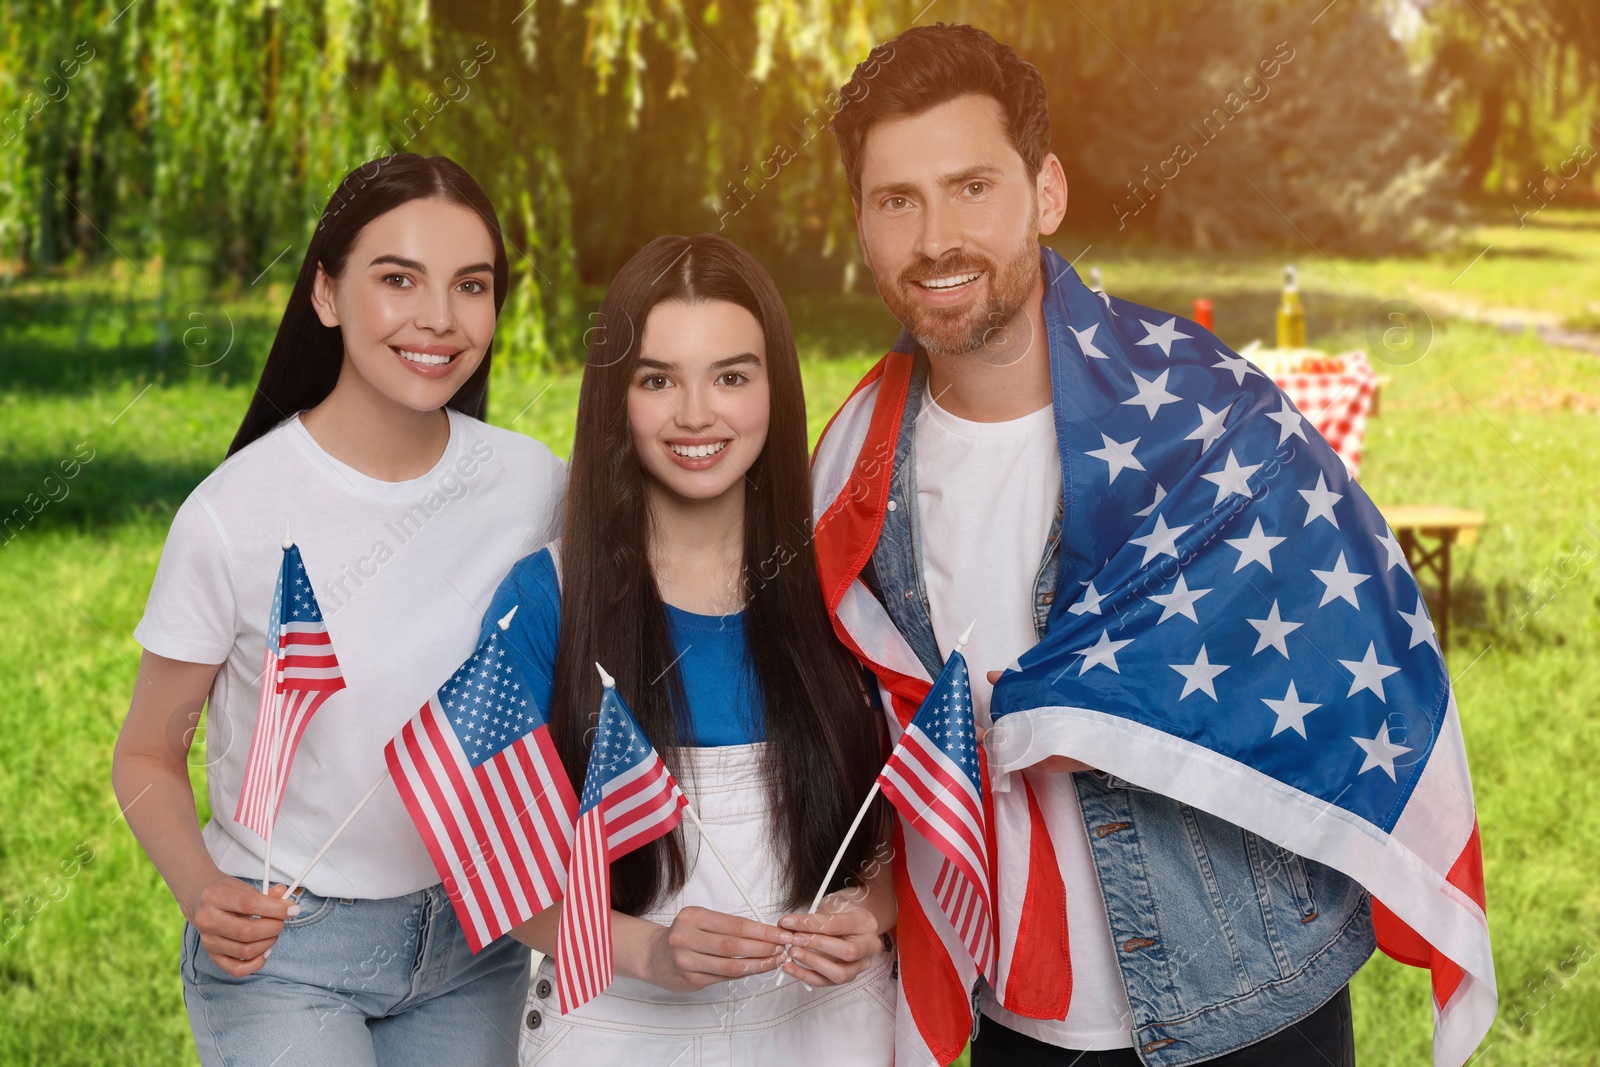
(1486, 419)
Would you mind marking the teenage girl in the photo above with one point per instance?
(686, 568)
(364, 437)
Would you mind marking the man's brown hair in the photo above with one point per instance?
(931, 65)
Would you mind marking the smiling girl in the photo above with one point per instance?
(686, 568)
(364, 436)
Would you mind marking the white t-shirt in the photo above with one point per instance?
(986, 496)
(403, 572)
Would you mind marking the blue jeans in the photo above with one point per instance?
(359, 983)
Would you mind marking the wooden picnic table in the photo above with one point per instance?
(1446, 526)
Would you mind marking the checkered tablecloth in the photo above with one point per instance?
(1337, 404)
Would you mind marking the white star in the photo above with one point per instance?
(1178, 602)
(1102, 653)
(1320, 502)
(1210, 427)
(1368, 673)
(1162, 540)
(1238, 366)
(1153, 394)
(1088, 604)
(1341, 583)
(1162, 335)
(1086, 342)
(1232, 478)
(1289, 422)
(1291, 711)
(1117, 456)
(1380, 752)
(1161, 494)
(1421, 626)
(1273, 630)
(1198, 675)
(1397, 554)
(1256, 548)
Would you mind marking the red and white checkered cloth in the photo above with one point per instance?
(1337, 404)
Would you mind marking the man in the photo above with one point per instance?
(1132, 927)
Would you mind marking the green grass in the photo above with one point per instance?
(1486, 419)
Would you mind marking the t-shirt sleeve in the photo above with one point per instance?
(531, 588)
(191, 614)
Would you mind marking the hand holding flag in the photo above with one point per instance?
(629, 799)
(299, 673)
(933, 778)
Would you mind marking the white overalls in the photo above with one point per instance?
(746, 1021)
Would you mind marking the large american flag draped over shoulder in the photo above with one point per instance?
(934, 779)
(483, 783)
(300, 671)
(629, 799)
(1235, 626)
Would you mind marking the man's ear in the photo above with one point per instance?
(861, 237)
(322, 298)
(1052, 192)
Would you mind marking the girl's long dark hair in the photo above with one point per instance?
(304, 363)
(823, 741)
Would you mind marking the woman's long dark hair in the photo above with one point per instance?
(304, 363)
(823, 741)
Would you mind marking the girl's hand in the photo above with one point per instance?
(238, 926)
(704, 947)
(833, 946)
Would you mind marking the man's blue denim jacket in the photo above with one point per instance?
(1222, 938)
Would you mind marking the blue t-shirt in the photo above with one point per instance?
(725, 706)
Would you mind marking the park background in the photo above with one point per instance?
(162, 165)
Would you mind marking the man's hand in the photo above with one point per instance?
(1048, 765)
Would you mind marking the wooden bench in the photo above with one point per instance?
(1447, 527)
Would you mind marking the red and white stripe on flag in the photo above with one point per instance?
(304, 669)
(635, 808)
(942, 804)
(499, 833)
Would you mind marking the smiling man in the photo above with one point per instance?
(1131, 927)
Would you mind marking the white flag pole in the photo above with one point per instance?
(371, 792)
(688, 809)
(272, 788)
(277, 744)
(323, 851)
(816, 901)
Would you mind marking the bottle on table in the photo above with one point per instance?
(1291, 313)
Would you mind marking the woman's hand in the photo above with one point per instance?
(238, 926)
(704, 947)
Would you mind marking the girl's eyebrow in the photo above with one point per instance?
(411, 264)
(722, 364)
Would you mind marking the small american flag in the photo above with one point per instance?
(629, 799)
(300, 672)
(934, 780)
(481, 778)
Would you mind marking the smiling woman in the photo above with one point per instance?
(364, 418)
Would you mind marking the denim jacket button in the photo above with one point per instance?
(893, 506)
(910, 593)
(534, 1019)
(542, 990)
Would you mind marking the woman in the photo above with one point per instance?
(686, 569)
(364, 438)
